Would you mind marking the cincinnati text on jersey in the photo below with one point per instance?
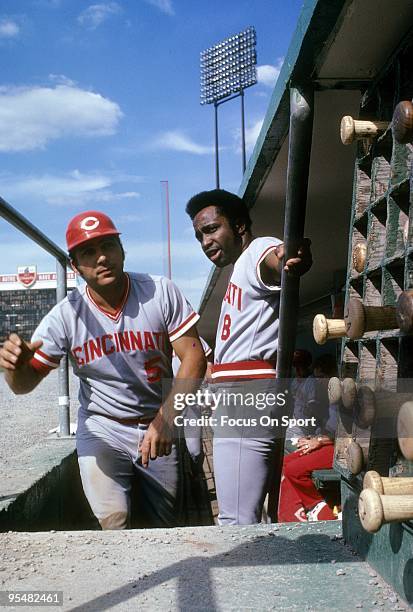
(119, 342)
(233, 296)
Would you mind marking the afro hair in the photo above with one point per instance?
(230, 205)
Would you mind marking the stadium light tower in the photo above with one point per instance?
(227, 69)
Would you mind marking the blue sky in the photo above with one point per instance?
(99, 102)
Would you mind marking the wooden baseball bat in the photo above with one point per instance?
(388, 486)
(405, 430)
(360, 319)
(327, 329)
(402, 122)
(355, 129)
(375, 510)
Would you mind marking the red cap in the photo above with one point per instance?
(88, 225)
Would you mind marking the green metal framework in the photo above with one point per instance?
(382, 217)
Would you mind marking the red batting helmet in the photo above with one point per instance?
(88, 225)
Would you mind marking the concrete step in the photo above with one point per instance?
(262, 567)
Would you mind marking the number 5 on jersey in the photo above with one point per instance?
(153, 370)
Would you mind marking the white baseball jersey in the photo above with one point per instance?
(120, 358)
(248, 324)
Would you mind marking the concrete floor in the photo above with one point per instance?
(261, 567)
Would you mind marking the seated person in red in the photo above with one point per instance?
(299, 498)
(308, 398)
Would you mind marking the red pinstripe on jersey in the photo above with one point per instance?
(187, 324)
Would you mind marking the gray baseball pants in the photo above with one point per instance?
(243, 457)
(109, 461)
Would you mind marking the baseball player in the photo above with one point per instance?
(119, 331)
(246, 341)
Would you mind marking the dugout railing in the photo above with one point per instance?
(62, 261)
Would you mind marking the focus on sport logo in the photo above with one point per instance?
(89, 223)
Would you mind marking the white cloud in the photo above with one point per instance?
(8, 28)
(96, 14)
(73, 188)
(163, 5)
(267, 75)
(175, 140)
(251, 134)
(61, 79)
(31, 117)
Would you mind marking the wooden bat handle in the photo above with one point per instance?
(402, 122)
(388, 486)
(327, 329)
(380, 318)
(375, 510)
(404, 311)
(405, 430)
(361, 319)
(355, 129)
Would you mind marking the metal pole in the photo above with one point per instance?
(168, 220)
(63, 374)
(168, 227)
(299, 154)
(300, 135)
(244, 158)
(216, 147)
(15, 218)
